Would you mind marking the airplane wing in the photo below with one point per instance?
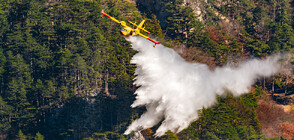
(117, 21)
(149, 39)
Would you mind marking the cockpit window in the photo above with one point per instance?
(123, 30)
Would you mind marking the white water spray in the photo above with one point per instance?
(174, 90)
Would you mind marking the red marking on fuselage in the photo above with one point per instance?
(123, 33)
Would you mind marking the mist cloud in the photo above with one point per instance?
(174, 90)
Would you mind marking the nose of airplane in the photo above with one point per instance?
(123, 33)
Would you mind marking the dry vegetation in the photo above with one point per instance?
(195, 55)
(275, 121)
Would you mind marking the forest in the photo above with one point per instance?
(65, 70)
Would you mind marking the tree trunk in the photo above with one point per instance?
(106, 84)
(273, 87)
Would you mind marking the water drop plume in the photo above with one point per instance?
(174, 90)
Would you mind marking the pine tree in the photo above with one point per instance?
(3, 19)
(21, 136)
(282, 32)
(153, 26)
(2, 70)
(18, 82)
(39, 136)
(5, 119)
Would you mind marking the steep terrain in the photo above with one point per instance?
(65, 71)
(253, 28)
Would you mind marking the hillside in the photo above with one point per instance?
(65, 70)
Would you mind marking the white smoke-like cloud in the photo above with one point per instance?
(174, 90)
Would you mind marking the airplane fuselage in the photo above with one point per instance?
(127, 31)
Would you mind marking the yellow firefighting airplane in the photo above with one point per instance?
(128, 31)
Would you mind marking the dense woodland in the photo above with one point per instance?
(65, 71)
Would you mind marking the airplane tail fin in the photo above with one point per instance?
(140, 25)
